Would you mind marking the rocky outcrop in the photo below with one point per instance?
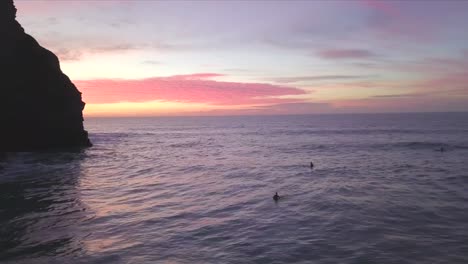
(40, 108)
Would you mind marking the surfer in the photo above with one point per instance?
(276, 197)
(311, 165)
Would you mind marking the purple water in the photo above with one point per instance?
(199, 190)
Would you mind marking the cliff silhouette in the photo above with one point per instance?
(40, 108)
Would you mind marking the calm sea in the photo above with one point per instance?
(199, 190)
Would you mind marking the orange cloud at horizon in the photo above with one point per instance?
(180, 95)
(156, 108)
(194, 88)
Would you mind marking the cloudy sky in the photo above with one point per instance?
(257, 57)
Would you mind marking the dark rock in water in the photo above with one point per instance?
(40, 108)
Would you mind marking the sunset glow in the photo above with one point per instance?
(142, 58)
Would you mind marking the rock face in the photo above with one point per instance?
(40, 108)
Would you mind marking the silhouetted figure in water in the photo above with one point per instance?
(276, 197)
(442, 149)
(311, 165)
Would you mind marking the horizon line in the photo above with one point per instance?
(272, 115)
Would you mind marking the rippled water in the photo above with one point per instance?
(199, 190)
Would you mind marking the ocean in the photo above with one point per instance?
(199, 190)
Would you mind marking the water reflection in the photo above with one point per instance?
(40, 205)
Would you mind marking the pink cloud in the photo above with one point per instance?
(444, 64)
(452, 84)
(299, 108)
(345, 54)
(196, 88)
(392, 20)
(381, 6)
(432, 67)
(195, 76)
(45, 6)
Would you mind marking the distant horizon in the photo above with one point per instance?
(165, 58)
(272, 115)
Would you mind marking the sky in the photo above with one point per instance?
(153, 58)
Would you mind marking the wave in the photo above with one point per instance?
(426, 145)
(369, 131)
(412, 145)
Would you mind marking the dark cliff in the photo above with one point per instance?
(40, 108)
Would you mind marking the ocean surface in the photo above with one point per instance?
(199, 190)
